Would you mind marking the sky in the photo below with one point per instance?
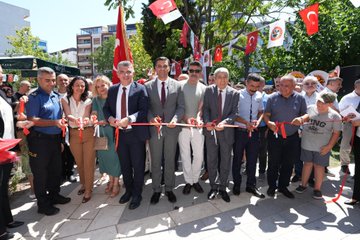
(58, 21)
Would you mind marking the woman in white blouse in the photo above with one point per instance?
(77, 109)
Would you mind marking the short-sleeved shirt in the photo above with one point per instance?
(250, 106)
(286, 109)
(310, 100)
(77, 110)
(45, 106)
(317, 132)
(264, 101)
(193, 95)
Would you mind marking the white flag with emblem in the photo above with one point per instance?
(276, 34)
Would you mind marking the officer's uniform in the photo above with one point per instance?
(45, 146)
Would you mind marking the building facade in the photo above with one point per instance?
(89, 40)
(12, 18)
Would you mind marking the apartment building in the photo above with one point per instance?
(89, 40)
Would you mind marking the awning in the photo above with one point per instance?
(29, 66)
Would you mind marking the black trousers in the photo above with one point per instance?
(45, 164)
(5, 211)
(263, 148)
(356, 148)
(282, 155)
(68, 162)
(131, 153)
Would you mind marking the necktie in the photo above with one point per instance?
(250, 108)
(219, 107)
(123, 103)
(163, 95)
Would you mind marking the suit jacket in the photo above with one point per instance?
(174, 107)
(229, 113)
(138, 103)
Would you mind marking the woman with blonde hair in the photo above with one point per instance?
(77, 108)
(108, 159)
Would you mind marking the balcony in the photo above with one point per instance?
(84, 63)
(85, 71)
(87, 53)
(84, 45)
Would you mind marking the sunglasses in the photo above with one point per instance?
(194, 71)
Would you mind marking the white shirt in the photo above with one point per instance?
(246, 101)
(159, 86)
(8, 118)
(118, 103)
(310, 100)
(351, 99)
(77, 110)
(223, 96)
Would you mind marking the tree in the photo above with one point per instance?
(142, 60)
(24, 43)
(104, 56)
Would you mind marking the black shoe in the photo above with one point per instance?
(58, 199)
(155, 198)
(135, 203)
(7, 235)
(255, 192)
(351, 202)
(72, 179)
(295, 179)
(236, 190)
(125, 198)
(14, 224)
(198, 187)
(205, 176)
(49, 211)
(187, 189)
(286, 192)
(212, 194)
(171, 196)
(271, 192)
(224, 196)
(345, 169)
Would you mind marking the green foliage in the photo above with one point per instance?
(25, 43)
(142, 60)
(128, 10)
(235, 71)
(104, 57)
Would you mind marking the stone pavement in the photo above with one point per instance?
(193, 216)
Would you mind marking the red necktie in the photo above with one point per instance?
(219, 107)
(123, 103)
(163, 94)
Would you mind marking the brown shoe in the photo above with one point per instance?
(205, 176)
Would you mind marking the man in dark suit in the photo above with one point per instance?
(220, 104)
(167, 102)
(127, 102)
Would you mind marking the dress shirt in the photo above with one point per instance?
(246, 101)
(223, 96)
(118, 103)
(159, 86)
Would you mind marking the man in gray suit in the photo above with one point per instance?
(220, 107)
(167, 102)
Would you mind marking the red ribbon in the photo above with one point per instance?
(340, 190)
(117, 133)
(21, 107)
(26, 131)
(7, 157)
(63, 128)
(281, 126)
(158, 127)
(81, 127)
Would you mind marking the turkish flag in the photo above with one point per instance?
(122, 49)
(161, 7)
(177, 69)
(218, 54)
(310, 17)
(184, 33)
(251, 42)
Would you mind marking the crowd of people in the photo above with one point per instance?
(215, 129)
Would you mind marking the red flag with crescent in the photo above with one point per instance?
(251, 42)
(310, 17)
(122, 50)
(218, 54)
(161, 7)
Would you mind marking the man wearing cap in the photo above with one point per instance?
(318, 138)
(285, 106)
(351, 99)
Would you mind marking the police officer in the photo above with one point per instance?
(44, 140)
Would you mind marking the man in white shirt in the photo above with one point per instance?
(334, 85)
(351, 99)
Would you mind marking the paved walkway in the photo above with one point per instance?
(193, 216)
